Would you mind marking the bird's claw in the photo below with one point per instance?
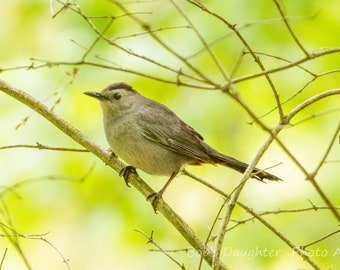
(154, 199)
(125, 172)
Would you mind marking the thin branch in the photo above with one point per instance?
(147, 33)
(67, 178)
(66, 261)
(289, 28)
(43, 147)
(288, 66)
(286, 61)
(279, 211)
(3, 258)
(315, 115)
(172, 250)
(315, 76)
(99, 37)
(64, 6)
(111, 67)
(310, 101)
(15, 234)
(150, 240)
(331, 144)
(13, 239)
(321, 239)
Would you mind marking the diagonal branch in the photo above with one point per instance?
(294, 64)
(289, 28)
(310, 101)
(190, 236)
(331, 144)
(234, 197)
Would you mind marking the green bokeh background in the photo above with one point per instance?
(92, 221)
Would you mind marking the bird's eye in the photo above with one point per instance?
(117, 96)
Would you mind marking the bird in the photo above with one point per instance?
(149, 136)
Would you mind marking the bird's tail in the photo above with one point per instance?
(240, 166)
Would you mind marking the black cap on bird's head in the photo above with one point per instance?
(119, 85)
(109, 92)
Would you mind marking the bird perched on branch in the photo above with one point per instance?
(152, 138)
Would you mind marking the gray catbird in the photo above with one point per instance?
(150, 137)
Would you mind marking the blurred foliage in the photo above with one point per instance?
(85, 210)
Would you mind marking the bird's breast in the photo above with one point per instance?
(127, 141)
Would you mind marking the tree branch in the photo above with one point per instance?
(115, 164)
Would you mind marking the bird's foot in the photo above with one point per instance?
(125, 172)
(154, 199)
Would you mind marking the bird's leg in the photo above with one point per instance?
(125, 171)
(156, 196)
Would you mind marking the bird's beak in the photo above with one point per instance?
(96, 95)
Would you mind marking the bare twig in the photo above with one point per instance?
(43, 147)
(315, 115)
(99, 37)
(146, 33)
(279, 211)
(46, 63)
(3, 258)
(150, 240)
(13, 239)
(331, 144)
(20, 184)
(321, 239)
(289, 28)
(293, 64)
(15, 234)
(310, 101)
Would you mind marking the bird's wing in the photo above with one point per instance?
(185, 141)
